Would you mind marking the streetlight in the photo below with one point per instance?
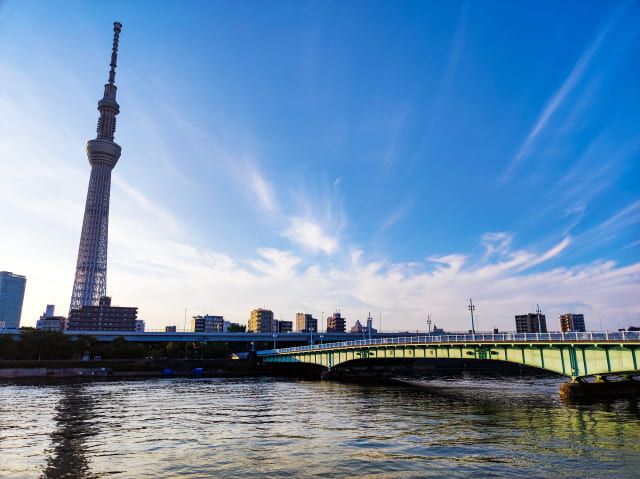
(539, 323)
(472, 308)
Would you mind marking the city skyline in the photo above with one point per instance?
(401, 171)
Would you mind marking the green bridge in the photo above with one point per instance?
(575, 355)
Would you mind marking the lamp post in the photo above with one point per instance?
(472, 308)
(539, 323)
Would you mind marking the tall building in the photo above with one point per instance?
(572, 322)
(49, 321)
(90, 283)
(103, 317)
(11, 297)
(306, 323)
(531, 323)
(207, 324)
(260, 321)
(336, 323)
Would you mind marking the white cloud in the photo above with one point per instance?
(275, 263)
(263, 190)
(310, 235)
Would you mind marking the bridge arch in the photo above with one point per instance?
(568, 356)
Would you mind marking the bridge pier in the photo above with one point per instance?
(601, 388)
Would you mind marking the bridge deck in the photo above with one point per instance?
(571, 354)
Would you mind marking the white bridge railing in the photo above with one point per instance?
(474, 338)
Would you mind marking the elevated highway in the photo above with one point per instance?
(161, 336)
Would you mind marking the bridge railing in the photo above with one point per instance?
(466, 338)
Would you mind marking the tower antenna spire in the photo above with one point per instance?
(117, 28)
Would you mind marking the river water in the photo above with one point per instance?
(258, 428)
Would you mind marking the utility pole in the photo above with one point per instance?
(429, 322)
(472, 308)
(539, 323)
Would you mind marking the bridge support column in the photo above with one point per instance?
(579, 389)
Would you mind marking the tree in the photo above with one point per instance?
(236, 328)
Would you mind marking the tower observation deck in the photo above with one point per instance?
(90, 282)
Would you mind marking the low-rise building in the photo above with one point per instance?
(207, 324)
(260, 321)
(280, 326)
(572, 322)
(103, 317)
(531, 323)
(139, 326)
(170, 329)
(364, 329)
(357, 328)
(336, 323)
(49, 321)
(306, 323)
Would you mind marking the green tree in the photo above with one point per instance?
(237, 328)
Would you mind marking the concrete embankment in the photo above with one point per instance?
(124, 368)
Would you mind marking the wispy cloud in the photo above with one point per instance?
(547, 255)
(311, 235)
(263, 190)
(396, 215)
(556, 100)
(616, 224)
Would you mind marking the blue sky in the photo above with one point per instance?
(392, 157)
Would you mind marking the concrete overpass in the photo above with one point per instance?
(161, 336)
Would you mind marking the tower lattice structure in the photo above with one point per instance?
(90, 282)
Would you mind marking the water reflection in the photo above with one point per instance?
(256, 428)
(67, 456)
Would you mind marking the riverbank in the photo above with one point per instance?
(125, 368)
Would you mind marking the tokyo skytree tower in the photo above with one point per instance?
(91, 270)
